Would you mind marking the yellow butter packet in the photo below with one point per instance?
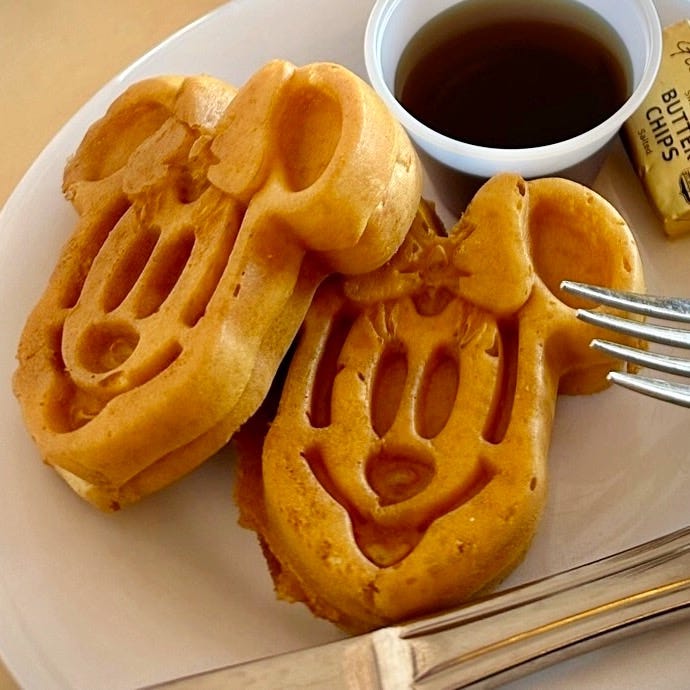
(657, 136)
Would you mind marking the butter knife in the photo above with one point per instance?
(493, 640)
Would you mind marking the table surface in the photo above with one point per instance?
(55, 55)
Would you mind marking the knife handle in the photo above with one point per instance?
(491, 641)
(517, 631)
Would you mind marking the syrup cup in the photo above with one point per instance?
(393, 23)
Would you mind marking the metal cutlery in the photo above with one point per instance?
(667, 308)
(494, 640)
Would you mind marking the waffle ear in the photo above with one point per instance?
(328, 163)
(576, 234)
(192, 265)
(405, 469)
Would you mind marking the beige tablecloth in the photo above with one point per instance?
(54, 55)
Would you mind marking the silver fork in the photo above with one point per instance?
(674, 309)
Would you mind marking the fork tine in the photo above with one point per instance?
(663, 335)
(677, 393)
(671, 308)
(642, 358)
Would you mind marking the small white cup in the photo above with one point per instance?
(393, 23)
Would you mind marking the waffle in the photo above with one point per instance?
(405, 469)
(207, 217)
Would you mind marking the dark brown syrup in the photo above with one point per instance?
(512, 82)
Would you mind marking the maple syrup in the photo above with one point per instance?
(491, 77)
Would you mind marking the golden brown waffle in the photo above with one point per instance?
(207, 218)
(405, 470)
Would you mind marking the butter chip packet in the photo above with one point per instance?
(657, 135)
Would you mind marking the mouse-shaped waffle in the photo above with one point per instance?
(207, 218)
(405, 469)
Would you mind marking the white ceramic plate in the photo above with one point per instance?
(173, 586)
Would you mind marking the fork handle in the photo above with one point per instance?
(532, 626)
